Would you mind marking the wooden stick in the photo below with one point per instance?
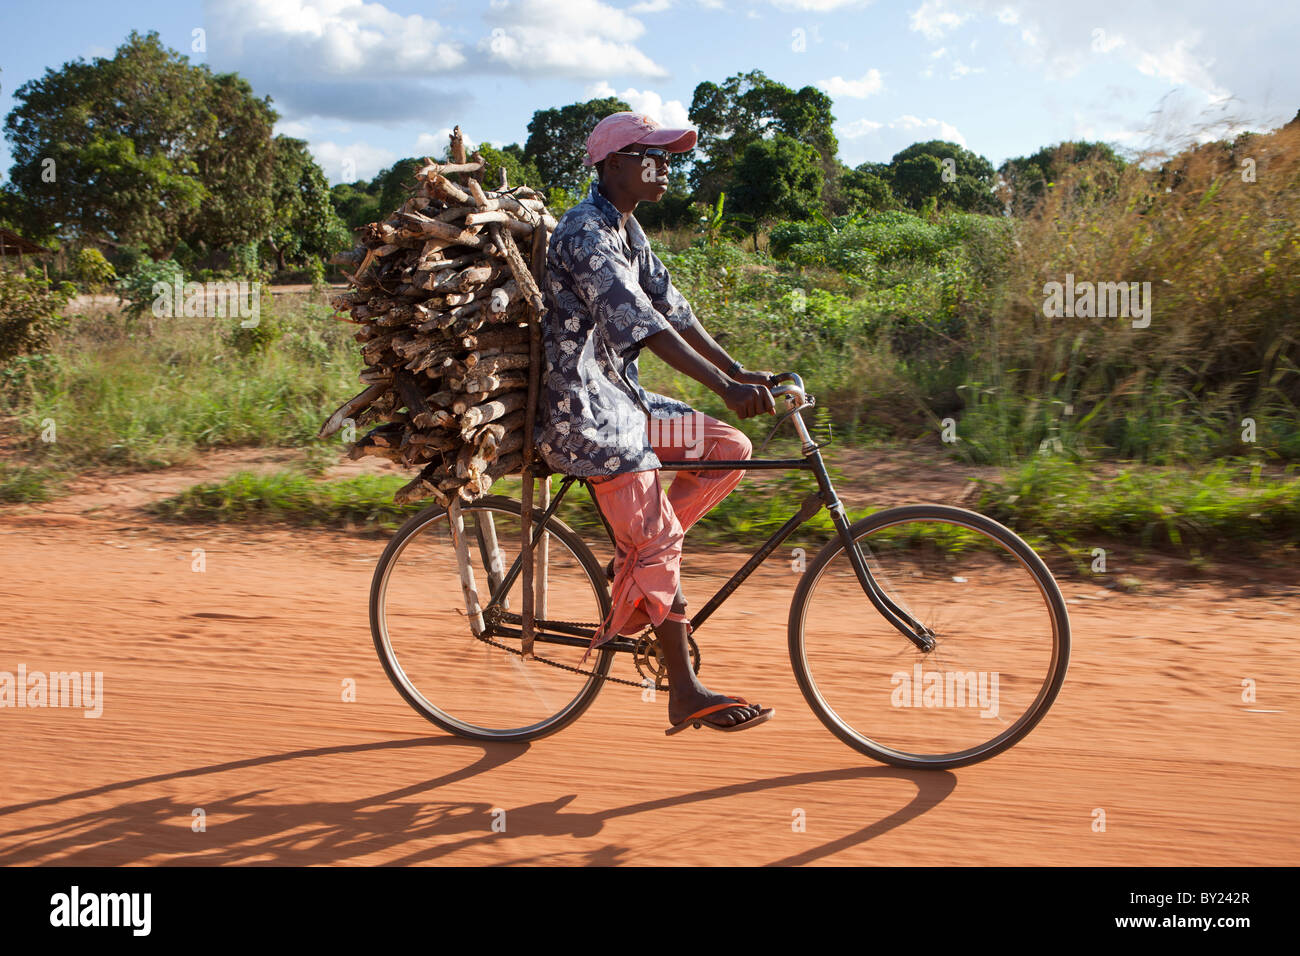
(492, 557)
(538, 265)
(472, 606)
(348, 409)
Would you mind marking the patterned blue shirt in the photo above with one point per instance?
(604, 296)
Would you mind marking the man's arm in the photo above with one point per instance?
(746, 400)
(668, 300)
(698, 337)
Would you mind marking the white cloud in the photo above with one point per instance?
(858, 128)
(650, 6)
(817, 6)
(671, 113)
(871, 82)
(933, 127)
(338, 37)
(339, 58)
(1241, 51)
(350, 162)
(296, 129)
(567, 37)
(934, 18)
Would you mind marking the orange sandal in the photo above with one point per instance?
(763, 715)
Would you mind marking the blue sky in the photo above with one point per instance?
(368, 83)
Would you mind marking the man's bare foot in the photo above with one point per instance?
(682, 705)
(686, 695)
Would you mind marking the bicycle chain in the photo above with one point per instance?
(642, 637)
(565, 667)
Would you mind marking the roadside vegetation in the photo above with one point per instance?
(911, 295)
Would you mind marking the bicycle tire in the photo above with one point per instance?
(600, 661)
(1020, 549)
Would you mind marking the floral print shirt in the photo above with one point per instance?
(604, 296)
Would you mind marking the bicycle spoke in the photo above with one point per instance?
(1001, 639)
(480, 685)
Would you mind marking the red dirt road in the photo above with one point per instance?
(222, 703)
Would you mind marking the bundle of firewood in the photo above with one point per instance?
(449, 314)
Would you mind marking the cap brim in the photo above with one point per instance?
(673, 140)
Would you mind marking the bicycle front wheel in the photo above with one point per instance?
(1001, 633)
(479, 686)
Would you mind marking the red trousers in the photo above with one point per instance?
(649, 524)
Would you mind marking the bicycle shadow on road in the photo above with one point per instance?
(248, 830)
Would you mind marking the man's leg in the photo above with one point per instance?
(699, 437)
(649, 537)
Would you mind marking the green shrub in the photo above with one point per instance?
(93, 271)
(31, 311)
(136, 288)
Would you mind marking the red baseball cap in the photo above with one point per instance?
(620, 130)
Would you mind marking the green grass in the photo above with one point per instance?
(24, 483)
(364, 502)
(119, 397)
(1053, 504)
(1227, 507)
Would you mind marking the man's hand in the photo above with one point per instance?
(747, 377)
(748, 400)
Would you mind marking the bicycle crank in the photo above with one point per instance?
(649, 661)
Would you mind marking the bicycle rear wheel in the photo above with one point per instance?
(458, 680)
(1002, 638)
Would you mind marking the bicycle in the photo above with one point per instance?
(953, 591)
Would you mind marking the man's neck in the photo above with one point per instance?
(624, 204)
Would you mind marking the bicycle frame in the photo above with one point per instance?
(555, 632)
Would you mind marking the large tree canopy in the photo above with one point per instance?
(146, 149)
(749, 107)
(950, 175)
(776, 178)
(557, 141)
(304, 223)
(1025, 179)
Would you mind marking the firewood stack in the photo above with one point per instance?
(445, 300)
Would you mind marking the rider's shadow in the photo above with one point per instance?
(249, 830)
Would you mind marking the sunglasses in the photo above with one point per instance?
(652, 152)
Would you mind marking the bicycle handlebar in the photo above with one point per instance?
(794, 392)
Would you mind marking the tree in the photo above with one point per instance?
(304, 222)
(355, 204)
(948, 174)
(520, 171)
(142, 149)
(864, 189)
(235, 159)
(919, 184)
(1025, 179)
(777, 178)
(396, 184)
(557, 141)
(749, 107)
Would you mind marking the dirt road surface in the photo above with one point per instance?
(224, 736)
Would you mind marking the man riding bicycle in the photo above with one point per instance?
(609, 296)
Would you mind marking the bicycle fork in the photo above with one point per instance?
(904, 623)
(909, 627)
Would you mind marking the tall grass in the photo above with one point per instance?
(1223, 259)
(109, 393)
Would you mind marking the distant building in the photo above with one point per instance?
(13, 245)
